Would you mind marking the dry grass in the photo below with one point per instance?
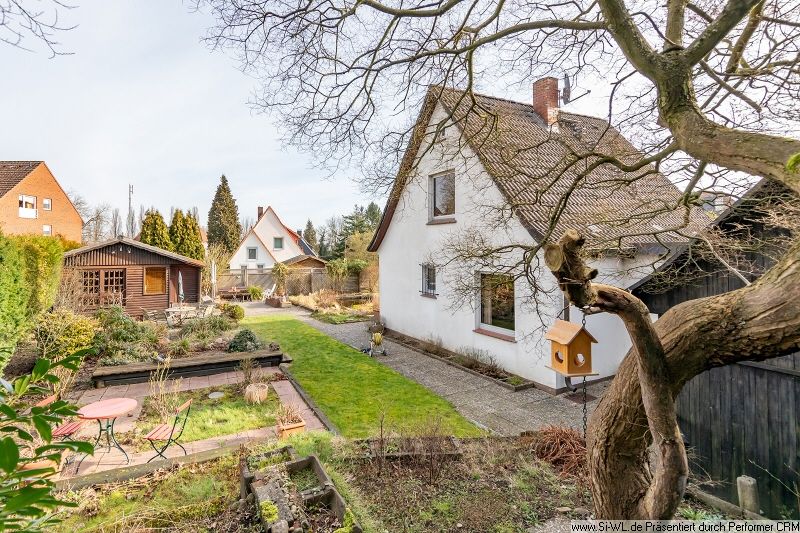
(164, 396)
(562, 447)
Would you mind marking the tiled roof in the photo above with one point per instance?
(12, 172)
(534, 168)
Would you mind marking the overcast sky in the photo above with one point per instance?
(142, 101)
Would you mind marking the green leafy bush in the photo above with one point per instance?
(42, 257)
(233, 311)
(62, 332)
(245, 341)
(27, 449)
(179, 347)
(14, 296)
(256, 292)
(212, 324)
(280, 272)
(122, 339)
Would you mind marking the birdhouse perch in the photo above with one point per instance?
(570, 349)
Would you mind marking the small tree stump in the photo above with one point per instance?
(256, 393)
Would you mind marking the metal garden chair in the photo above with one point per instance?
(166, 433)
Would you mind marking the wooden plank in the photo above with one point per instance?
(210, 357)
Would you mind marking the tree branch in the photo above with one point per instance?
(731, 16)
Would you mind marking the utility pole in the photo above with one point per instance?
(131, 222)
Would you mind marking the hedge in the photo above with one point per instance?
(29, 275)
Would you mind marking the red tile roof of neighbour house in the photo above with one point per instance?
(13, 172)
(534, 169)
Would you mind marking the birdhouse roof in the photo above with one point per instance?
(564, 332)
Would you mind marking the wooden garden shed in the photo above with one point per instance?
(132, 274)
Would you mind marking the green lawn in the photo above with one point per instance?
(212, 418)
(353, 389)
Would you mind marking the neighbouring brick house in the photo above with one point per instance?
(32, 202)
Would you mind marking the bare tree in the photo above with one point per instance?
(115, 223)
(21, 20)
(708, 90)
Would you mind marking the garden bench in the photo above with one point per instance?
(166, 432)
(65, 430)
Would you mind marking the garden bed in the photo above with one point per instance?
(464, 362)
(203, 364)
(277, 302)
(334, 308)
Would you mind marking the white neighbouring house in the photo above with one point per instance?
(270, 241)
(465, 168)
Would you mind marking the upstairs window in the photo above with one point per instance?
(428, 280)
(443, 195)
(252, 253)
(27, 206)
(497, 302)
(277, 243)
(47, 204)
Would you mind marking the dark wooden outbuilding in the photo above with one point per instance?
(133, 274)
(744, 418)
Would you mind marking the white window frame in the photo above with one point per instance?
(28, 212)
(480, 324)
(432, 196)
(255, 253)
(47, 230)
(277, 247)
(47, 204)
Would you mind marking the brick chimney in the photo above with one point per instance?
(260, 211)
(545, 99)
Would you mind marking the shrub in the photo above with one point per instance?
(121, 337)
(14, 296)
(280, 272)
(42, 257)
(62, 332)
(256, 292)
(178, 347)
(244, 341)
(233, 311)
(211, 324)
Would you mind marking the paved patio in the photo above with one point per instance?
(485, 403)
(106, 460)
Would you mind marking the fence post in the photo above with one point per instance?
(748, 494)
(244, 276)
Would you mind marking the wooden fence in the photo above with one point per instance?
(744, 419)
(299, 281)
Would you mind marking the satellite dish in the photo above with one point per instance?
(565, 92)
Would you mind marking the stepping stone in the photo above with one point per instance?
(216, 395)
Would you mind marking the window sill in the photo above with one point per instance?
(494, 334)
(431, 296)
(437, 221)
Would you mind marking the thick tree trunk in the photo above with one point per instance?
(757, 322)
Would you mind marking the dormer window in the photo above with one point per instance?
(443, 195)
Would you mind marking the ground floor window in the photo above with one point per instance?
(47, 230)
(155, 280)
(428, 280)
(497, 301)
(103, 287)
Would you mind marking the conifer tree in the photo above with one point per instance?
(373, 215)
(223, 218)
(155, 231)
(310, 235)
(184, 232)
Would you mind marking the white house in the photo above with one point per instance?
(496, 186)
(270, 241)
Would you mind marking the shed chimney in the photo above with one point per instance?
(300, 233)
(545, 99)
(260, 211)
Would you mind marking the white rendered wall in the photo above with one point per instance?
(262, 238)
(410, 241)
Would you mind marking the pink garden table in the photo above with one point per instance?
(106, 413)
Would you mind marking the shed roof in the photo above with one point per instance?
(564, 332)
(136, 244)
(303, 257)
(13, 172)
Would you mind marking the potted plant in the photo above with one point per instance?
(289, 421)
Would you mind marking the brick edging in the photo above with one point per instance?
(330, 426)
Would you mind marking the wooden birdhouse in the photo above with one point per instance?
(570, 349)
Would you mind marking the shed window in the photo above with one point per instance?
(428, 280)
(277, 243)
(252, 253)
(155, 280)
(497, 301)
(443, 195)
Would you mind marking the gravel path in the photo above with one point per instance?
(484, 402)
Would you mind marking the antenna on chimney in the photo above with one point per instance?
(565, 92)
